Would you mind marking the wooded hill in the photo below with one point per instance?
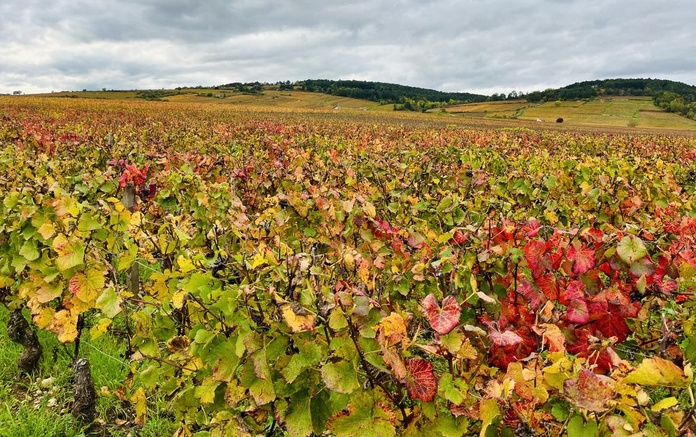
(672, 96)
(384, 92)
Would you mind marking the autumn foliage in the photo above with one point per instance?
(309, 273)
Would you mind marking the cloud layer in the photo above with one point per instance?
(450, 45)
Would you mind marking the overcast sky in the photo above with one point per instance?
(449, 45)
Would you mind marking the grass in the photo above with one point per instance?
(40, 405)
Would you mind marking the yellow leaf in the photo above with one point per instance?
(467, 351)
(258, 260)
(488, 410)
(43, 318)
(364, 272)
(64, 325)
(87, 286)
(664, 404)
(6, 281)
(178, 299)
(140, 401)
(136, 219)
(99, 329)
(40, 290)
(47, 230)
(297, 317)
(551, 216)
(473, 282)
(347, 205)
(369, 208)
(71, 253)
(657, 371)
(392, 329)
(185, 264)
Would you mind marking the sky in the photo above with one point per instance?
(475, 46)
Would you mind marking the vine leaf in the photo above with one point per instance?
(535, 254)
(109, 303)
(488, 410)
(552, 335)
(421, 383)
(504, 339)
(590, 391)
(340, 377)
(391, 330)
(87, 286)
(64, 324)
(297, 317)
(583, 259)
(70, 253)
(631, 249)
(657, 371)
(577, 311)
(442, 319)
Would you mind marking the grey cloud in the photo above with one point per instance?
(455, 45)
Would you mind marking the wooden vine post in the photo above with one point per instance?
(133, 281)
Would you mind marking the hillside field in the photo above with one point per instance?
(610, 111)
(615, 112)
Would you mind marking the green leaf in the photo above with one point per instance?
(448, 426)
(309, 355)
(29, 250)
(664, 404)
(340, 377)
(109, 303)
(206, 391)
(369, 417)
(262, 391)
(578, 428)
(320, 407)
(197, 282)
(127, 257)
(631, 249)
(560, 411)
(299, 419)
(225, 366)
(88, 223)
(448, 390)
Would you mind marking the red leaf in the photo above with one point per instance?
(507, 338)
(574, 291)
(534, 253)
(421, 383)
(444, 319)
(531, 293)
(594, 236)
(609, 311)
(583, 259)
(577, 312)
(547, 283)
(532, 228)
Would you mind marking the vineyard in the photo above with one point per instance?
(276, 272)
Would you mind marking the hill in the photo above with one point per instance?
(385, 93)
(669, 95)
